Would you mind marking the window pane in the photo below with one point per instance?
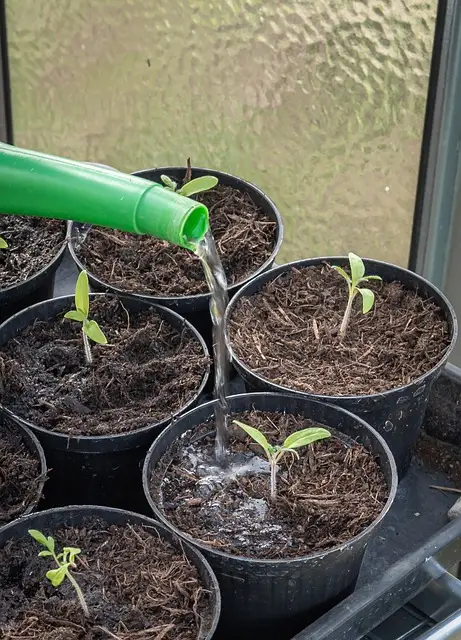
(319, 103)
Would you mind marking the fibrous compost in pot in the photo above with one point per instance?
(244, 235)
(20, 473)
(331, 494)
(288, 333)
(32, 244)
(135, 584)
(148, 371)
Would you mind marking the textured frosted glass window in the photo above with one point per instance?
(320, 103)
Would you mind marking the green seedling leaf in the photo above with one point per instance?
(371, 278)
(357, 267)
(257, 436)
(39, 537)
(56, 576)
(82, 298)
(197, 185)
(368, 299)
(50, 545)
(93, 331)
(3, 243)
(72, 552)
(44, 554)
(305, 437)
(169, 183)
(341, 271)
(75, 315)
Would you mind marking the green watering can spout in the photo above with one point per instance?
(36, 184)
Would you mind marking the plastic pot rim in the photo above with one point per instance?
(306, 262)
(392, 487)
(162, 299)
(118, 436)
(55, 260)
(149, 522)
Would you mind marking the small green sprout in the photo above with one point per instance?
(357, 276)
(65, 561)
(3, 243)
(90, 328)
(190, 187)
(275, 453)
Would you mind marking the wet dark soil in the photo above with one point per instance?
(244, 235)
(19, 473)
(136, 586)
(146, 373)
(332, 493)
(289, 334)
(32, 244)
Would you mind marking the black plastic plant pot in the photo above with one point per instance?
(396, 414)
(195, 307)
(73, 516)
(96, 469)
(35, 289)
(23, 434)
(280, 597)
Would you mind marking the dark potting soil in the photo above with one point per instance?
(332, 493)
(289, 334)
(32, 244)
(147, 372)
(244, 235)
(19, 473)
(136, 586)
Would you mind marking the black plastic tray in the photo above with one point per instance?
(413, 551)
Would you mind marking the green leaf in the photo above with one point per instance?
(257, 436)
(75, 315)
(72, 552)
(3, 243)
(82, 288)
(39, 537)
(371, 278)
(305, 437)
(44, 554)
(94, 332)
(50, 544)
(197, 185)
(357, 267)
(368, 300)
(341, 271)
(169, 183)
(56, 576)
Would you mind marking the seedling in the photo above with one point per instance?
(3, 243)
(190, 187)
(275, 452)
(357, 276)
(65, 561)
(90, 328)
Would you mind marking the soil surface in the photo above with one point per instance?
(19, 473)
(146, 373)
(136, 586)
(32, 244)
(289, 334)
(244, 236)
(331, 494)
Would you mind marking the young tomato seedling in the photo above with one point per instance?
(274, 452)
(190, 187)
(90, 328)
(353, 281)
(65, 561)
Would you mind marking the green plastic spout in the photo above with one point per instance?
(35, 184)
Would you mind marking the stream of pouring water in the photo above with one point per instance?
(217, 283)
